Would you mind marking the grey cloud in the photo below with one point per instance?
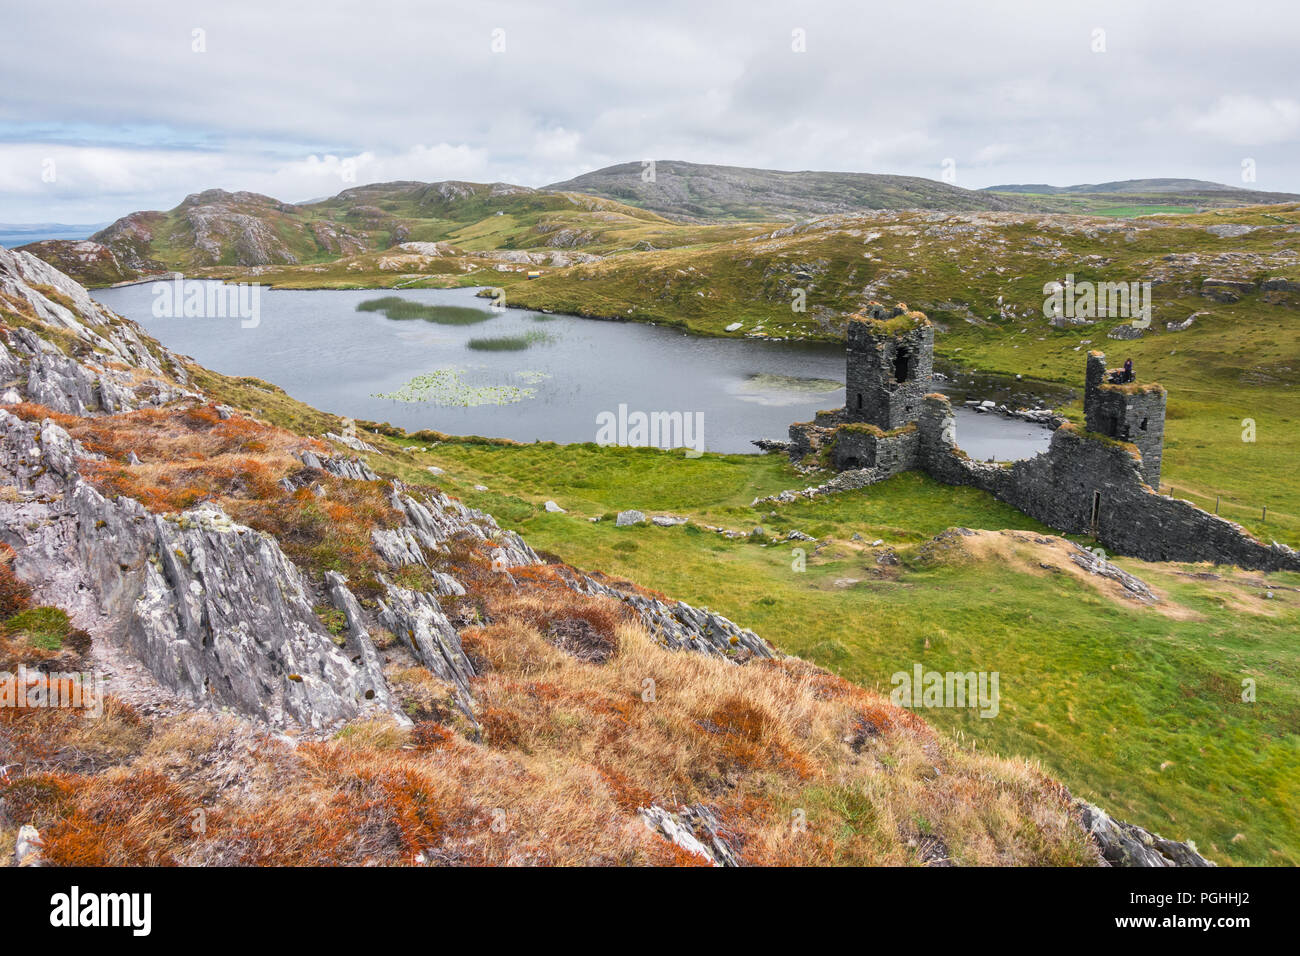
(1010, 90)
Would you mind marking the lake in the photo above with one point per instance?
(461, 367)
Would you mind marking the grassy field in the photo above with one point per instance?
(1135, 707)
(1149, 209)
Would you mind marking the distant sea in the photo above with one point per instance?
(18, 234)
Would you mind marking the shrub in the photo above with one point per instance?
(45, 628)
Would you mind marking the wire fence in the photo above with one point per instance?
(1249, 515)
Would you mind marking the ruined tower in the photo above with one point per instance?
(890, 364)
(1126, 411)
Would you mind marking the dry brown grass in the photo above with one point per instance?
(569, 752)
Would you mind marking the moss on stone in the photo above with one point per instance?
(866, 428)
(1134, 388)
(1081, 432)
(906, 322)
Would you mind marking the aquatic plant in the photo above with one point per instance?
(510, 343)
(445, 386)
(395, 307)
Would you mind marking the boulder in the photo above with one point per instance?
(1123, 844)
(632, 517)
(1124, 332)
(1229, 230)
(1186, 324)
(27, 848)
(1226, 290)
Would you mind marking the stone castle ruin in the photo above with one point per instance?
(1102, 479)
(1127, 412)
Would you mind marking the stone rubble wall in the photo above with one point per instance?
(1057, 487)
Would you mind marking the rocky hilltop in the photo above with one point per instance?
(220, 230)
(307, 660)
(702, 191)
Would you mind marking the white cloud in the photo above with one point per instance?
(399, 89)
(1250, 120)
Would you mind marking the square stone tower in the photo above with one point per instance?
(890, 365)
(1126, 411)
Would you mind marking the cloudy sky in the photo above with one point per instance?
(112, 107)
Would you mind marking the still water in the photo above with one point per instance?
(537, 376)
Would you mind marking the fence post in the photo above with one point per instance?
(1216, 504)
(1264, 517)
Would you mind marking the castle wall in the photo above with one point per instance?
(1136, 415)
(1061, 486)
(1103, 480)
(866, 447)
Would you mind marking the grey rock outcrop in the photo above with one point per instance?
(89, 381)
(694, 828)
(340, 467)
(679, 626)
(1123, 844)
(1186, 324)
(1226, 290)
(217, 612)
(358, 636)
(1230, 230)
(1096, 564)
(417, 619)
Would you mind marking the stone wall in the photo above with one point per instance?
(865, 446)
(1085, 483)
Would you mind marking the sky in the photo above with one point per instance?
(112, 107)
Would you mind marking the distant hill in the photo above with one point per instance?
(216, 228)
(707, 192)
(599, 213)
(89, 261)
(1195, 193)
(220, 228)
(1122, 186)
(18, 233)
